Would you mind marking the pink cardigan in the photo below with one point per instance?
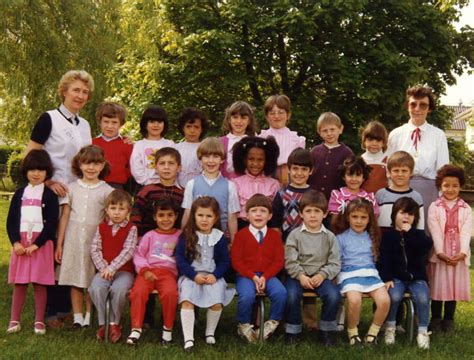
(436, 222)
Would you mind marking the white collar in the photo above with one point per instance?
(87, 186)
(321, 230)
(211, 239)
(255, 231)
(109, 139)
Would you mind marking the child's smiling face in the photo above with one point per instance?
(239, 123)
(277, 118)
(450, 187)
(36, 176)
(255, 161)
(358, 220)
(165, 219)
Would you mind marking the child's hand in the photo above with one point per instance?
(200, 279)
(31, 249)
(19, 249)
(106, 274)
(444, 257)
(211, 279)
(389, 284)
(317, 280)
(149, 276)
(456, 258)
(58, 188)
(257, 281)
(58, 254)
(261, 284)
(305, 282)
(405, 227)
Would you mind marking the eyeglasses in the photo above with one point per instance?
(279, 112)
(421, 106)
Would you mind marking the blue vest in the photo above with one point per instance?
(219, 191)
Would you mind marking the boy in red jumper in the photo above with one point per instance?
(258, 256)
(111, 117)
(112, 251)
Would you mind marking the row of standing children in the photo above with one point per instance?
(280, 115)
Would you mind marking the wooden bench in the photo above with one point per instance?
(407, 301)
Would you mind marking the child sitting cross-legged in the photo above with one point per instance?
(155, 265)
(312, 261)
(257, 256)
(112, 251)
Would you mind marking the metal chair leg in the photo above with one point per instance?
(261, 306)
(410, 317)
(107, 317)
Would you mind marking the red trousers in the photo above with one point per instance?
(167, 293)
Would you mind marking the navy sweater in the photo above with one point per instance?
(393, 264)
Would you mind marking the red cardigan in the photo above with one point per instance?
(249, 257)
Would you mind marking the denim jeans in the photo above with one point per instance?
(331, 299)
(421, 296)
(274, 289)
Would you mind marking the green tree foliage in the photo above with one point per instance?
(41, 40)
(353, 57)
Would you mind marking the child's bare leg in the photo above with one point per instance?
(382, 301)
(77, 302)
(213, 316)
(187, 321)
(354, 304)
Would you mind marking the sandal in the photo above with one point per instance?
(40, 328)
(134, 337)
(371, 340)
(13, 327)
(210, 340)
(190, 347)
(355, 340)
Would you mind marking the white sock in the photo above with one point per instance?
(212, 320)
(167, 334)
(87, 319)
(187, 322)
(135, 333)
(78, 319)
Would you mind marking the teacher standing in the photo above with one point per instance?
(426, 143)
(62, 132)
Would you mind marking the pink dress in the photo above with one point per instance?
(450, 225)
(340, 198)
(248, 185)
(39, 267)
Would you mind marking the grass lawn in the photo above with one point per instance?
(69, 344)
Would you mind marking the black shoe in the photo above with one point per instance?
(447, 326)
(292, 339)
(190, 348)
(77, 326)
(327, 338)
(435, 325)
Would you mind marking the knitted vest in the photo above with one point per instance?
(112, 245)
(63, 144)
(219, 191)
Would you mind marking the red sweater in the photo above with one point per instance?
(112, 245)
(250, 257)
(117, 154)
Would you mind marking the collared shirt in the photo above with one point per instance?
(322, 229)
(255, 231)
(125, 255)
(70, 116)
(431, 152)
(109, 139)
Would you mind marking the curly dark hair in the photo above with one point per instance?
(36, 160)
(342, 222)
(189, 231)
(241, 149)
(153, 113)
(190, 115)
(355, 165)
(452, 171)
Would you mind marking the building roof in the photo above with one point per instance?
(460, 114)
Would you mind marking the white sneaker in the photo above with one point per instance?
(390, 336)
(423, 340)
(247, 332)
(269, 328)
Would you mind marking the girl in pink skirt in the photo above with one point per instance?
(31, 226)
(450, 225)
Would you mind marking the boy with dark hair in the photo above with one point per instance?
(312, 260)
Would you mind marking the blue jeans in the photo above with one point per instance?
(330, 296)
(421, 296)
(274, 289)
